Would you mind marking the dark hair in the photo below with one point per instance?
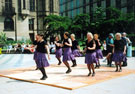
(67, 34)
(41, 35)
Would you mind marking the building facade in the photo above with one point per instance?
(72, 8)
(22, 19)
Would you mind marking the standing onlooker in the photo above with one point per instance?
(23, 46)
(9, 48)
(119, 51)
(127, 43)
(104, 48)
(109, 42)
(18, 48)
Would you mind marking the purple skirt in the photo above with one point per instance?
(35, 55)
(90, 58)
(42, 60)
(99, 54)
(119, 57)
(58, 53)
(68, 55)
(76, 53)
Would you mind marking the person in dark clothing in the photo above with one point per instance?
(67, 56)
(126, 43)
(90, 56)
(35, 52)
(75, 49)
(99, 53)
(58, 52)
(109, 42)
(42, 61)
(119, 51)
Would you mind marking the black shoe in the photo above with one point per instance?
(116, 70)
(59, 63)
(44, 78)
(98, 66)
(74, 65)
(36, 68)
(68, 71)
(93, 74)
(89, 74)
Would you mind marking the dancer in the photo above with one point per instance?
(67, 44)
(58, 52)
(35, 52)
(90, 56)
(42, 62)
(119, 51)
(75, 49)
(99, 54)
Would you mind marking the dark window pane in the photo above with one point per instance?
(24, 4)
(8, 23)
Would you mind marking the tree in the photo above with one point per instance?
(56, 25)
(3, 39)
(80, 24)
(98, 19)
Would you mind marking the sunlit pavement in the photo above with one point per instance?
(121, 85)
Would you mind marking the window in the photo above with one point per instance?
(118, 4)
(77, 3)
(61, 8)
(71, 14)
(108, 3)
(130, 5)
(8, 23)
(51, 6)
(87, 1)
(19, 5)
(24, 4)
(99, 3)
(77, 11)
(71, 4)
(61, 1)
(8, 5)
(31, 24)
(87, 9)
(32, 5)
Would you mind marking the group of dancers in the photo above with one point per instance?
(70, 49)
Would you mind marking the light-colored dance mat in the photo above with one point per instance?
(57, 78)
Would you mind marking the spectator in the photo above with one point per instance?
(104, 48)
(109, 43)
(23, 47)
(18, 48)
(9, 48)
(127, 42)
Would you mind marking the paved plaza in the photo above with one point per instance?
(120, 85)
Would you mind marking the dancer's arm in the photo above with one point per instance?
(48, 52)
(70, 43)
(124, 50)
